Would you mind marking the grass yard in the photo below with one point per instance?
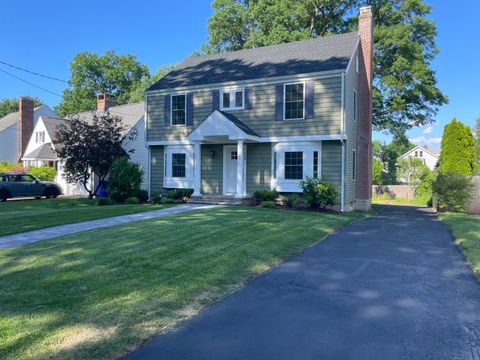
(26, 215)
(98, 294)
(384, 199)
(466, 229)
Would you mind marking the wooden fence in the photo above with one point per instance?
(395, 191)
(474, 206)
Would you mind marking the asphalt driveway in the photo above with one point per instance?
(390, 287)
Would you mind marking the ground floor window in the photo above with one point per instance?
(179, 165)
(293, 165)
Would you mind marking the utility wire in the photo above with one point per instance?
(32, 84)
(32, 72)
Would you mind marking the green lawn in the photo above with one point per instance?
(25, 215)
(98, 294)
(384, 199)
(466, 229)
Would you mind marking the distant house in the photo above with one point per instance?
(428, 156)
(16, 129)
(42, 147)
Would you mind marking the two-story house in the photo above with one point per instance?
(428, 156)
(264, 118)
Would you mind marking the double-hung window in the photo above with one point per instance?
(40, 137)
(232, 99)
(179, 109)
(294, 101)
(293, 165)
(178, 165)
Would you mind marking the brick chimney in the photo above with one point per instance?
(25, 123)
(105, 101)
(364, 139)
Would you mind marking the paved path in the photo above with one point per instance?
(42, 234)
(390, 287)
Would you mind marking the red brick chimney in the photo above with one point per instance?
(25, 123)
(105, 101)
(364, 139)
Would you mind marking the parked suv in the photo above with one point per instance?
(25, 185)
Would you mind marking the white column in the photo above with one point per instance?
(240, 164)
(197, 170)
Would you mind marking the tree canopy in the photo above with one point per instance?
(405, 88)
(457, 152)
(10, 105)
(122, 76)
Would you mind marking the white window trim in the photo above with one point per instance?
(355, 105)
(354, 170)
(232, 92)
(285, 104)
(357, 64)
(171, 109)
(171, 182)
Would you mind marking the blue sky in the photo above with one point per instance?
(43, 36)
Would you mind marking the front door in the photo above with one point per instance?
(231, 170)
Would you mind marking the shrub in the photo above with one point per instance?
(44, 173)
(180, 194)
(268, 204)
(132, 200)
(8, 167)
(169, 201)
(294, 201)
(124, 179)
(156, 198)
(317, 193)
(265, 195)
(104, 201)
(453, 192)
(142, 195)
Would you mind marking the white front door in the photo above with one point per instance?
(231, 170)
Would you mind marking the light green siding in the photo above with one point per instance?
(332, 163)
(259, 160)
(212, 170)
(156, 170)
(261, 118)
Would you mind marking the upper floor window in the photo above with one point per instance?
(179, 109)
(40, 137)
(232, 99)
(293, 165)
(294, 101)
(355, 105)
(357, 64)
(421, 153)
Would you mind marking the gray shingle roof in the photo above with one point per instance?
(238, 123)
(300, 57)
(11, 119)
(130, 113)
(43, 152)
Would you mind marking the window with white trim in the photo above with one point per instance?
(357, 64)
(179, 109)
(315, 164)
(179, 165)
(294, 102)
(293, 165)
(354, 164)
(355, 106)
(40, 137)
(232, 99)
(275, 165)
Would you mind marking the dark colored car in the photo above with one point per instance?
(25, 185)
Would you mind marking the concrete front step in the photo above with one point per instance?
(220, 200)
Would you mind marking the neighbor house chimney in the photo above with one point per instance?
(25, 124)
(364, 139)
(105, 101)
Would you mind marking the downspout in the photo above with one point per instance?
(342, 171)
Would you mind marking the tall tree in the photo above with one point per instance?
(476, 134)
(411, 170)
(105, 136)
(388, 155)
(405, 89)
(91, 74)
(138, 92)
(10, 105)
(457, 151)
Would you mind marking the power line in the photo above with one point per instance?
(32, 72)
(32, 84)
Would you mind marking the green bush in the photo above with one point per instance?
(156, 198)
(294, 201)
(317, 193)
(268, 204)
(8, 167)
(104, 201)
(453, 192)
(132, 200)
(180, 194)
(124, 179)
(44, 173)
(265, 195)
(142, 195)
(169, 201)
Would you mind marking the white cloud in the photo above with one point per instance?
(428, 130)
(425, 140)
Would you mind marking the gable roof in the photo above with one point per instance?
(299, 57)
(12, 118)
(434, 152)
(44, 151)
(130, 113)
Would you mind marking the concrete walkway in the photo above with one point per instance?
(42, 234)
(390, 287)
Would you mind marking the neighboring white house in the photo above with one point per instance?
(16, 129)
(41, 149)
(428, 156)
